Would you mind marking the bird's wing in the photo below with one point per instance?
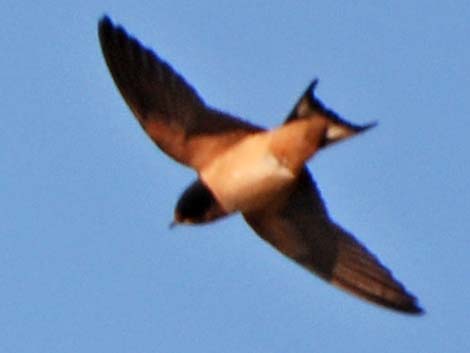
(167, 107)
(301, 229)
(309, 106)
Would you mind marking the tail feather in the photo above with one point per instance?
(338, 129)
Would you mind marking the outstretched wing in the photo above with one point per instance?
(167, 107)
(301, 229)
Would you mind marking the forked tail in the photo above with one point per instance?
(338, 129)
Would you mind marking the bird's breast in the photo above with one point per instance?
(247, 176)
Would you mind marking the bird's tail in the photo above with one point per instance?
(309, 106)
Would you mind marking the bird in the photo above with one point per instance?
(245, 168)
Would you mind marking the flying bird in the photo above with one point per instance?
(245, 168)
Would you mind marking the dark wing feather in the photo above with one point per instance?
(301, 229)
(167, 107)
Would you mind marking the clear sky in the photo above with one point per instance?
(87, 262)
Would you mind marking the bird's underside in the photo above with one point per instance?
(292, 218)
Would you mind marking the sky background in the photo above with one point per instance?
(87, 262)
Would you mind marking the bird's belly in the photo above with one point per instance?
(247, 178)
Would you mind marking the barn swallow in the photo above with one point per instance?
(245, 168)
(198, 205)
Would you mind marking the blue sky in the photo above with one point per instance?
(87, 262)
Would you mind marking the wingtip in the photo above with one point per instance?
(417, 310)
(409, 306)
(414, 308)
(105, 26)
(104, 21)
